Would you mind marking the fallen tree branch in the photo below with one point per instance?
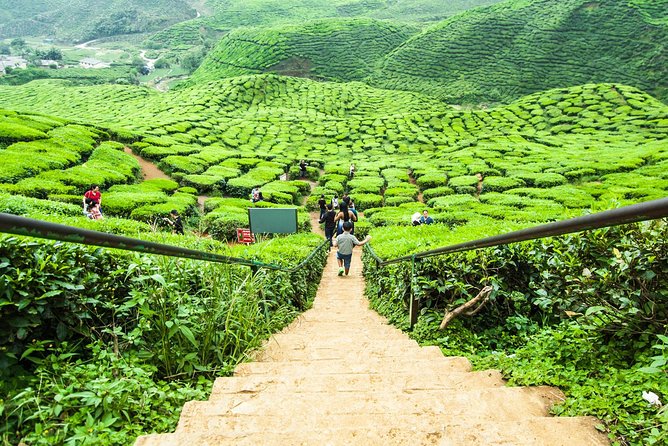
(467, 308)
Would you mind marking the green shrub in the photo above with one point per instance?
(404, 189)
(466, 180)
(187, 190)
(500, 184)
(437, 192)
(122, 204)
(184, 204)
(341, 179)
(41, 188)
(544, 180)
(157, 153)
(18, 205)
(185, 164)
(431, 180)
(204, 183)
(364, 185)
(364, 201)
(397, 200)
(222, 224)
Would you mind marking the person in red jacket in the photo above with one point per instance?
(93, 195)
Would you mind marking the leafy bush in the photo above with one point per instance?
(500, 184)
(431, 180)
(437, 192)
(364, 201)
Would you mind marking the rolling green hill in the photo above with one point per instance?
(227, 15)
(85, 20)
(333, 49)
(502, 52)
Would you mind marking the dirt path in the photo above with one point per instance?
(148, 169)
(411, 180)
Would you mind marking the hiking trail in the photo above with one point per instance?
(340, 375)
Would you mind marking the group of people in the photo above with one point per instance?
(421, 219)
(340, 228)
(256, 195)
(92, 202)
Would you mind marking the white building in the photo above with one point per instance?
(12, 62)
(89, 62)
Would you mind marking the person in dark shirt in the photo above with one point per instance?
(426, 219)
(322, 203)
(175, 221)
(330, 225)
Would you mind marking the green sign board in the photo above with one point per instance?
(272, 220)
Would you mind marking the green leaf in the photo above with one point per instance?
(189, 335)
(649, 370)
(158, 278)
(594, 310)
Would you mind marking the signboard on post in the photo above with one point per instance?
(245, 236)
(272, 220)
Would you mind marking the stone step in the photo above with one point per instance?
(548, 431)
(365, 366)
(497, 403)
(358, 382)
(300, 352)
(334, 327)
(297, 340)
(352, 336)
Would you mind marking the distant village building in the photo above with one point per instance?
(12, 62)
(89, 62)
(48, 63)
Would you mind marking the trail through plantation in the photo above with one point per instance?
(148, 169)
(340, 375)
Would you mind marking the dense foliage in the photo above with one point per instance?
(584, 312)
(78, 318)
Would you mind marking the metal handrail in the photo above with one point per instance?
(17, 225)
(649, 210)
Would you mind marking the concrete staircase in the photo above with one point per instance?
(339, 375)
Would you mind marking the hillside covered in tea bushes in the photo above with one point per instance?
(492, 116)
(514, 48)
(488, 55)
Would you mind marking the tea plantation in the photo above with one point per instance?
(499, 118)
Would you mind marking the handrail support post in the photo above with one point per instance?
(414, 304)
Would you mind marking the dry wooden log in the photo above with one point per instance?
(467, 308)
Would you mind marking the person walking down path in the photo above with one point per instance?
(175, 221)
(330, 225)
(351, 172)
(345, 215)
(345, 243)
(322, 203)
